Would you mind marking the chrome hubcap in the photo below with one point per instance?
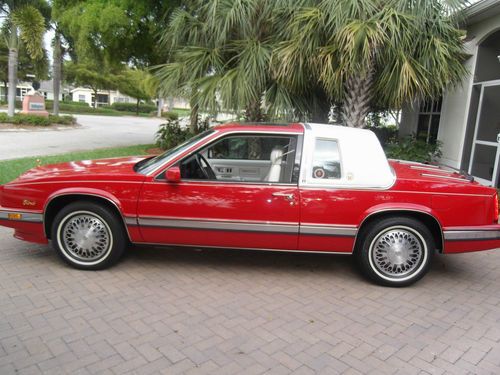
(86, 237)
(397, 252)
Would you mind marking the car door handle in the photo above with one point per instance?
(288, 196)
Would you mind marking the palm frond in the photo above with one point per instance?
(31, 25)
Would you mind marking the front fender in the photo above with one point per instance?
(84, 192)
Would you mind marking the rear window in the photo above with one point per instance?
(326, 160)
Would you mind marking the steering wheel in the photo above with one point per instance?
(207, 170)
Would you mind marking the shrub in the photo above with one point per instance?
(169, 115)
(35, 120)
(170, 134)
(62, 120)
(410, 148)
(385, 134)
(132, 107)
(49, 104)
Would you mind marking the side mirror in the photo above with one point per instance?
(173, 174)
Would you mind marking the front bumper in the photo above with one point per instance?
(27, 225)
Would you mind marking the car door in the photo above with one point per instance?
(236, 206)
(326, 212)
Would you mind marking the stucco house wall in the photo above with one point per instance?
(457, 122)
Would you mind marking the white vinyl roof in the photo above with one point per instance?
(363, 162)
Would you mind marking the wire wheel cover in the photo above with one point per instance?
(86, 237)
(397, 252)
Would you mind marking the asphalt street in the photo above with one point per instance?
(94, 132)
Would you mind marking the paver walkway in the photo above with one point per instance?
(231, 312)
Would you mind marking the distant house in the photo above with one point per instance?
(108, 97)
(23, 88)
(467, 119)
(86, 95)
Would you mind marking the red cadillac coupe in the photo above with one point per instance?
(296, 187)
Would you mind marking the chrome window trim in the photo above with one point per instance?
(218, 182)
(218, 134)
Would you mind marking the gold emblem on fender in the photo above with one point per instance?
(27, 202)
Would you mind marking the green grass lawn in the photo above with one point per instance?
(10, 169)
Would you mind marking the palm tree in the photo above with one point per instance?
(297, 58)
(375, 52)
(26, 24)
(221, 58)
(56, 70)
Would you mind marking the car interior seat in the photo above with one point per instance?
(275, 170)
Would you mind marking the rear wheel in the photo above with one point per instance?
(396, 251)
(87, 236)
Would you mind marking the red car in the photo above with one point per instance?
(297, 187)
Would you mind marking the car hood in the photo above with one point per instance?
(113, 168)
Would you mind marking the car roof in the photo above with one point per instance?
(261, 126)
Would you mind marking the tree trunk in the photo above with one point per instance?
(12, 72)
(193, 119)
(253, 112)
(160, 107)
(137, 108)
(5, 89)
(320, 107)
(358, 96)
(56, 67)
(95, 98)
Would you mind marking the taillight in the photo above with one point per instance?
(495, 213)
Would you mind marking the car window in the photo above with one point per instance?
(247, 148)
(149, 165)
(244, 158)
(326, 160)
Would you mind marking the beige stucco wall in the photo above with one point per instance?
(456, 101)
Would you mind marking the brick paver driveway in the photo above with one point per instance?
(183, 311)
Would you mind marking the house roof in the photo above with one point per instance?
(481, 10)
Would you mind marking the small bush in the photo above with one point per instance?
(412, 149)
(49, 104)
(35, 120)
(132, 107)
(62, 120)
(170, 115)
(170, 134)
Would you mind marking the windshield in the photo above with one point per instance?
(149, 165)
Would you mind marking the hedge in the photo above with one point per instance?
(132, 107)
(36, 120)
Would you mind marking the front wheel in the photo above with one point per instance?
(87, 236)
(396, 251)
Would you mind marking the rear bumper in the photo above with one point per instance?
(27, 225)
(468, 239)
